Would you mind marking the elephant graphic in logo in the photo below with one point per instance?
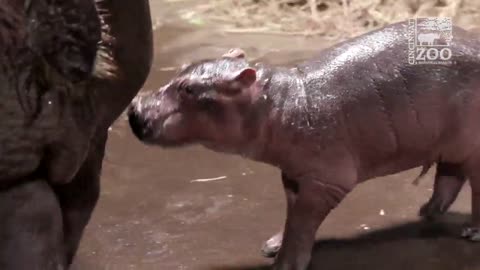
(428, 38)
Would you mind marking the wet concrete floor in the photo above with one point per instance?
(154, 215)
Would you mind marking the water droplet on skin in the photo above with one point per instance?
(49, 102)
(382, 212)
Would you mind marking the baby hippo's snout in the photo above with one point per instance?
(154, 119)
(139, 122)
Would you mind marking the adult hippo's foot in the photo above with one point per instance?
(272, 246)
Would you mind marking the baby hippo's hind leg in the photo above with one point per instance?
(449, 180)
(472, 232)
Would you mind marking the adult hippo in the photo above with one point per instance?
(68, 70)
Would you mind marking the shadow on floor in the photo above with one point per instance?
(413, 246)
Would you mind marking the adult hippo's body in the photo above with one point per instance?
(67, 72)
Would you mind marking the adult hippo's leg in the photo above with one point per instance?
(31, 231)
(79, 197)
(42, 223)
(132, 49)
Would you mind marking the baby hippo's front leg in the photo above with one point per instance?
(314, 201)
(272, 245)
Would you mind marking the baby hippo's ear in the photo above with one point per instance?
(184, 66)
(239, 81)
(246, 77)
(234, 53)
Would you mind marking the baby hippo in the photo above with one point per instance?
(357, 111)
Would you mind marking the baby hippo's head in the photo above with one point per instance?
(208, 102)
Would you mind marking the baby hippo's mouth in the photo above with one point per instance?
(150, 128)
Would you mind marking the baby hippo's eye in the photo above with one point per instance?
(187, 90)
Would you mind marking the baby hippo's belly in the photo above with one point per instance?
(410, 139)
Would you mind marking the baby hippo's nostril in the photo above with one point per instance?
(137, 123)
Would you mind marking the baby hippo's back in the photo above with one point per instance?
(395, 114)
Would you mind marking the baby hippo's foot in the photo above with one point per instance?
(432, 209)
(448, 183)
(471, 233)
(272, 245)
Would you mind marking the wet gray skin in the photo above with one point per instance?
(60, 62)
(357, 111)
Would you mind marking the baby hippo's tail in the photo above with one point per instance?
(425, 168)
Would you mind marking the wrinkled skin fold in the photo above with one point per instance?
(66, 34)
(55, 111)
(357, 111)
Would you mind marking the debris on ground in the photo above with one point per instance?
(365, 227)
(329, 18)
(209, 179)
